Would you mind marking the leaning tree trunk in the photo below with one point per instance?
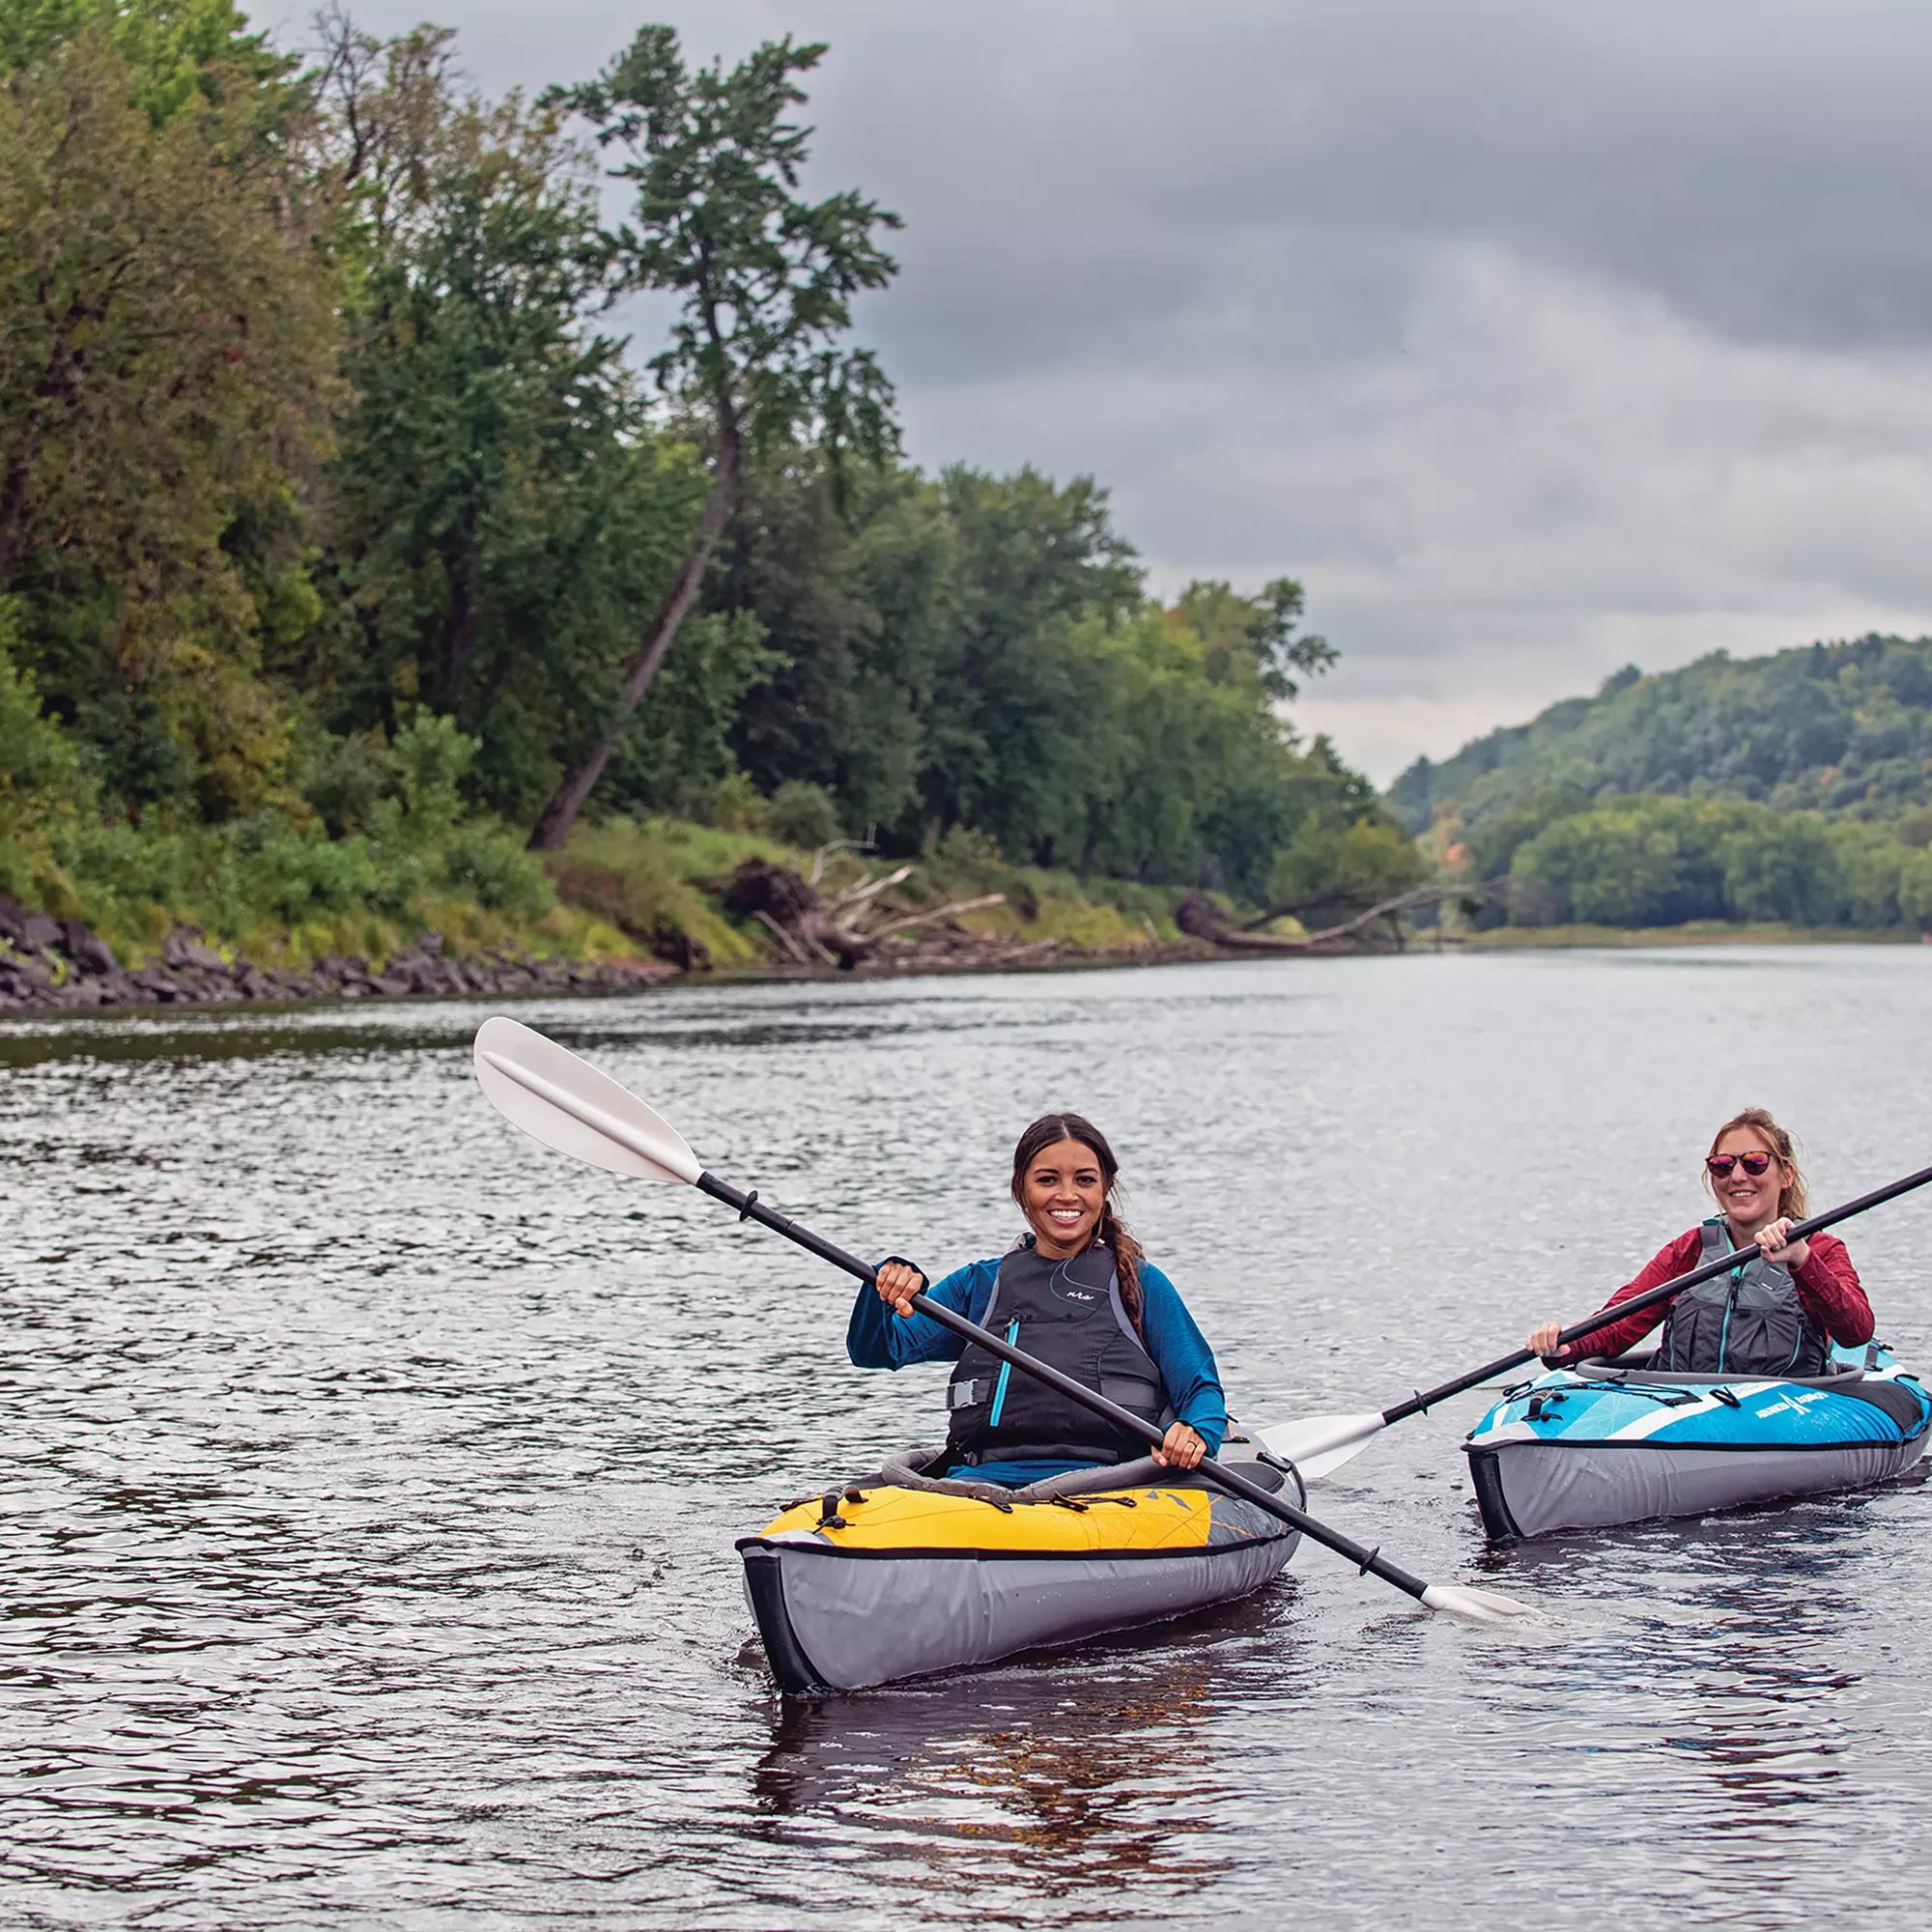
(553, 823)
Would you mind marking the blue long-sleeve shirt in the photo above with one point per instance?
(876, 1338)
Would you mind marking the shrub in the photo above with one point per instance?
(350, 774)
(494, 867)
(968, 849)
(431, 754)
(38, 765)
(803, 814)
(735, 804)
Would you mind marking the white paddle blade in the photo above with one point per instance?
(1320, 1444)
(1478, 1607)
(565, 1102)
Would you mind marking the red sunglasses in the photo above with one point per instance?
(1720, 1164)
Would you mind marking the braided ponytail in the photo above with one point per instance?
(1127, 1252)
(1113, 1233)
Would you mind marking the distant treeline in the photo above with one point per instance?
(1792, 787)
(344, 549)
(1652, 860)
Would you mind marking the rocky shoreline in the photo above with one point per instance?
(51, 965)
(60, 965)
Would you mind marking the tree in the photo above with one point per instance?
(764, 282)
(176, 50)
(502, 504)
(1012, 690)
(167, 377)
(1252, 639)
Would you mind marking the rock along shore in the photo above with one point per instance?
(59, 965)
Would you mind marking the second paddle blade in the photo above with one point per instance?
(1319, 1444)
(566, 1103)
(1478, 1606)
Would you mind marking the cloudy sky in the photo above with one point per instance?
(1535, 337)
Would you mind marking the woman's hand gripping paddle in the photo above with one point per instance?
(567, 1104)
(1318, 1445)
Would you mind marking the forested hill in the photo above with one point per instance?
(1843, 727)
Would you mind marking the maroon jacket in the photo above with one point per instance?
(1828, 1286)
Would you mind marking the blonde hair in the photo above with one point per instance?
(1792, 1199)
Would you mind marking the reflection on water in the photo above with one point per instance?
(370, 1475)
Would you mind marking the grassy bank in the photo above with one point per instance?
(621, 890)
(664, 883)
(1697, 932)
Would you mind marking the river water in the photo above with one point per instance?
(371, 1473)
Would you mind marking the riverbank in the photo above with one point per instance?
(625, 904)
(633, 904)
(1697, 932)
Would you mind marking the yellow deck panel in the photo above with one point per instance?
(894, 1518)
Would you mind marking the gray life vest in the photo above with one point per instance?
(1748, 1321)
(1070, 1314)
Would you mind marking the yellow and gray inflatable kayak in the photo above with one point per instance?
(902, 1574)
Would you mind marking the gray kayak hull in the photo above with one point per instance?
(844, 1621)
(1532, 1489)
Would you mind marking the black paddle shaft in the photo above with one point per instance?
(1371, 1561)
(1651, 1296)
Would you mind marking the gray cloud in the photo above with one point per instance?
(1533, 336)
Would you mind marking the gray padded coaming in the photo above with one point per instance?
(1637, 1369)
(905, 1471)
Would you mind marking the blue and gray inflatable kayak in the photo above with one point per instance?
(1611, 1443)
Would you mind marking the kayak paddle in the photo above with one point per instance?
(1320, 1444)
(566, 1103)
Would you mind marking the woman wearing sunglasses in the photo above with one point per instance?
(1776, 1314)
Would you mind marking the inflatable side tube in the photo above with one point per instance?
(846, 1619)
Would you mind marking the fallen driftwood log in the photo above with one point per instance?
(855, 924)
(1197, 915)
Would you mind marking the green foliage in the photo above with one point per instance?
(430, 755)
(1251, 641)
(1837, 727)
(678, 747)
(40, 768)
(167, 372)
(173, 49)
(763, 281)
(1786, 790)
(735, 804)
(1332, 870)
(763, 284)
(1655, 861)
(803, 813)
(979, 653)
(492, 867)
(648, 879)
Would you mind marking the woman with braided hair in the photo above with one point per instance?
(1075, 1291)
